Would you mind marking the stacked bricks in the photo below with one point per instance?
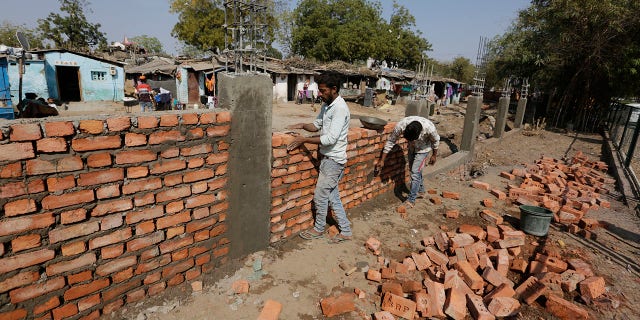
(102, 212)
(294, 174)
(466, 273)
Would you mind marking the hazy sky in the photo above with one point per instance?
(452, 27)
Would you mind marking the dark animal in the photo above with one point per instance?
(35, 109)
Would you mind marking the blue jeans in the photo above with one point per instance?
(327, 193)
(146, 105)
(417, 162)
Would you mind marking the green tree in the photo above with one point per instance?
(587, 51)
(72, 31)
(404, 43)
(8, 35)
(461, 69)
(151, 44)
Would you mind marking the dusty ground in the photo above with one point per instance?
(299, 273)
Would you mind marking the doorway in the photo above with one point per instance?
(193, 87)
(292, 86)
(68, 83)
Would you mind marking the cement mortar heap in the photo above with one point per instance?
(490, 272)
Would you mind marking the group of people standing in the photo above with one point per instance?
(333, 124)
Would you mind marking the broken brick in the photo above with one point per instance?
(373, 244)
(564, 309)
(240, 286)
(421, 260)
(475, 231)
(270, 311)
(455, 305)
(461, 240)
(477, 308)
(581, 267)
(592, 287)
(437, 298)
(437, 257)
(503, 306)
(569, 280)
(383, 315)
(452, 214)
(487, 203)
(491, 216)
(499, 194)
(451, 195)
(398, 305)
(374, 275)
(507, 175)
(470, 276)
(495, 278)
(503, 290)
(519, 265)
(530, 290)
(435, 200)
(492, 234)
(393, 287)
(333, 306)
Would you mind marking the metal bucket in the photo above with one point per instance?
(535, 220)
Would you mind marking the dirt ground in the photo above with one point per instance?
(299, 273)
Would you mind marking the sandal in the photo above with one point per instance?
(340, 238)
(309, 235)
(408, 204)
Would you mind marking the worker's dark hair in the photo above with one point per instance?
(412, 131)
(329, 80)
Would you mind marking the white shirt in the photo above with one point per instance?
(427, 140)
(333, 122)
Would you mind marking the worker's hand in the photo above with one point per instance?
(296, 143)
(432, 159)
(378, 168)
(296, 126)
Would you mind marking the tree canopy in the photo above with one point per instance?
(72, 31)
(586, 51)
(151, 44)
(354, 30)
(8, 35)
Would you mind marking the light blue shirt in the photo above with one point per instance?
(333, 123)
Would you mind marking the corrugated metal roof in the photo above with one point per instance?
(157, 65)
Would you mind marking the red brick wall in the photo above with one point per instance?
(96, 213)
(293, 177)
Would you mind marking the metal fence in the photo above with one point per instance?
(624, 130)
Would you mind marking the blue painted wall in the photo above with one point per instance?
(33, 79)
(111, 87)
(5, 86)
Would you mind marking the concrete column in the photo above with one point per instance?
(249, 97)
(522, 106)
(471, 119)
(417, 108)
(501, 117)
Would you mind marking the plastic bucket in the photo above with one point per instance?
(535, 220)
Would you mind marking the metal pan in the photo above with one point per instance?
(372, 123)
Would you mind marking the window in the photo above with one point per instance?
(98, 75)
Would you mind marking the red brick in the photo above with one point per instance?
(137, 172)
(218, 131)
(114, 237)
(19, 280)
(28, 223)
(195, 163)
(47, 145)
(189, 118)
(145, 227)
(35, 290)
(88, 302)
(11, 170)
(198, 175)
(82, 290)
(77, 263)
(564, 309)
(15, 189)
(56, 184)
(116, 265)
(201, 200)
(143, 242)
(168, 166)
(135, 139)
(477, 308)
(173, 194)
(135, 156)
(136, 296)
(168, 120)
(216, 158)
(16, 151)
(224, 116)
(101, 177)
(146, 214)
(111, 221)
(59, 129)
(470, 276)
(142, 185)
(499, 194)
(270, 311)
(112, 207)
(79, 277)
(65, 311)
(495, 278)
(195, 150)
(456, 304)
(110, 191)
(98, 160)
(453, 214)
(177, 268)
(481, 185)
(507, 175)
(47, 305)
(118, 124)
(156, 288)
(159, 137)
(25, 132)
(195, 133)
(119, 290)
(177, 243)
(172, 180)
(207, 118)
(25, 242)
(73, 231)
(504, 290)
(24, 260)
(143, 200)
(344, 303)
(72, 216)
(91, 126)
(491, 216)
(96, 143)
(503, 306)
(147, 122)
(451, 195)
(113, 251)
(19, 207)
(530, 290)
(592, 287)
(487, 203)
(397, 305)
(581, 267)
(170, 153)
(17, 314)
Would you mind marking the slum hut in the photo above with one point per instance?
(159, 71)
(288, 79)
(196, 81)
(355, 80)
(69, 76)
(401, 83)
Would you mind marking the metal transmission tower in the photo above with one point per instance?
(245, 39)
(481, 64)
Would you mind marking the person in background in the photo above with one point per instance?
(423, 139)
(333, 124)
(143, 91)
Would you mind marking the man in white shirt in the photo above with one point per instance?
(423, 138)
(333, 124)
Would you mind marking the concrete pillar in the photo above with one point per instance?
(471, 119)
(249, 98)
(501, 117)
(522, 106)
(417, 108)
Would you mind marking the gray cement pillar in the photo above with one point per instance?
(522, 107)
(471, 119)
(501, 117)
(417, 108)
(249, 98)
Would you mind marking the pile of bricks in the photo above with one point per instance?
(477, 271)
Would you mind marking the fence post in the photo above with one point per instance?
(632, 145)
